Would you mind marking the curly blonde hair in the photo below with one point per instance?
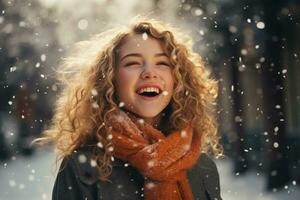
(89, 94)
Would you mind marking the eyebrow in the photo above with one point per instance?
(140, 55)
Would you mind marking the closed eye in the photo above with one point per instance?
(163, 63)
(132, 63)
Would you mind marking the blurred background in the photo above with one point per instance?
(251, 46)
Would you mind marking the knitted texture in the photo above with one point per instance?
(162, 160)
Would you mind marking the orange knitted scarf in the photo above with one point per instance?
(162, 160)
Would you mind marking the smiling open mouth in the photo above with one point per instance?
(149, 94)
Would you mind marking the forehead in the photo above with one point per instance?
(140, 43)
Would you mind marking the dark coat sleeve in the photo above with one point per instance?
(204, 179)
(69, 183)
(210, 176)
(78, 180)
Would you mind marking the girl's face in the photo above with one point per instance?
(144, 80)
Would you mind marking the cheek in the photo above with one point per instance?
(171, 82)
(125, 81)
(122, 76)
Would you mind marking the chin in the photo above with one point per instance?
(147, 114)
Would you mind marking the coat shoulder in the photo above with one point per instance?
(207, 170)
(124, 178)
(84, 165)
(73, 181)
(206, 163)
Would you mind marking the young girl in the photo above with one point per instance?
(136, 118)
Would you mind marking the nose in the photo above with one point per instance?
(148, 72)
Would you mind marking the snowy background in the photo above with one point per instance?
(33, 179)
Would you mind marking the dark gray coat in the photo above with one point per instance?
(79, 180)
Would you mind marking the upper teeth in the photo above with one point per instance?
(148, 89)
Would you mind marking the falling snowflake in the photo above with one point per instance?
(265, 133)
(43, 57)
(262, 59)
(12, 69)
(21, 186)
(273, 173)
(44, 196)
(82, 158)
(183, 133)
(187, 147)
(145, 36)
(277, 106)
(83, 24)
(141, 121)
(93, 163)
(12, 183)
(244, 52)
(95, 105)
(94, 92)
(238, 119)
(22, 24)
(109, 137)
(120, 186)
(150, 163)
(30, 177)
(110, 148)
(260, 25)
(233, 29)
(120, 118)
(165, 93)
(150, 150)
(54, 87)
(150, 185)
(121, 104)
(198, 12)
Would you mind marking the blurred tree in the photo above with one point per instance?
(24, 84)
(278, 170)
(253, 42)
(222, 42)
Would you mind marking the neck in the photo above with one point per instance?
(154, 121)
